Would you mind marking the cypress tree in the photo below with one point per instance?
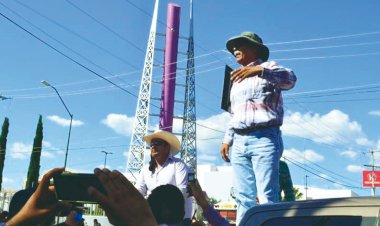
(3, 147)
(34, 165)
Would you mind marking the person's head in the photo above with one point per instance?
(167, 204)
(247, 47)
(74, 217)
(162, 143)
(18, 201)
(4, 216)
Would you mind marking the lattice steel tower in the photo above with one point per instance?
(189, 132)
(140, 125)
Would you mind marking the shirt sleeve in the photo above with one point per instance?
(181, 176)
(214, 218)
(284, 78)
(141, 184)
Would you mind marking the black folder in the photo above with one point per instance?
(226, 103)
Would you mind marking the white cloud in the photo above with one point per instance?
(309, 155)
(354, 168)
(20, 150)
(8, 180)
(349, 154)
(374, 113)
(210, 140)
(120, 123)
(64, 122)
(334, 127)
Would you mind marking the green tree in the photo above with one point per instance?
(34, 165)
(3, 147)
(297, 193)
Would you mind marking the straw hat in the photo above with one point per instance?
(172, 140)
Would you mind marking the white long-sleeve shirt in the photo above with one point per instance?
(173, 171)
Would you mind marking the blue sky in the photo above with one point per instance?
(332, 115)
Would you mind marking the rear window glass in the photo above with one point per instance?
(322, 221)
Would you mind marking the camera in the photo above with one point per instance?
(74, 186)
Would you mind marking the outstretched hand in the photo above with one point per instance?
(123, 204)
(42, 206)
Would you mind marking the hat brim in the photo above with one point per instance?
(263, 51)
(171, 139)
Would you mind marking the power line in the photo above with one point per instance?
(105, 26)
(324, 47)
(319, 166)
(324, 178)
(77, 35)
(66, 56)
(326, 38)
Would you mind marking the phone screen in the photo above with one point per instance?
(190, 177)
(74, 186)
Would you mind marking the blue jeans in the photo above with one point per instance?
(255, 160)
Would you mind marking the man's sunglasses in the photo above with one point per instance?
(157, 143)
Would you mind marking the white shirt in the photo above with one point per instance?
(173, 171)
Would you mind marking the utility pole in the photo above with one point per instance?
(105, 157)
(306, 188)
(373, 175)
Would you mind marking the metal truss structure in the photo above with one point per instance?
(140, 125)
(189, 132)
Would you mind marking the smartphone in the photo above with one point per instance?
(74, 186)
(191, 177)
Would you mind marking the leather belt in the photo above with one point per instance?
(256, 128)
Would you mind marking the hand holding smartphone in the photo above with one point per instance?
(74, 186)
(190, 179)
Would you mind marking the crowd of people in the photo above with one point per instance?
(252, 144)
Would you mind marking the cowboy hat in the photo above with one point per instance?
(252, 39)
(172, 140)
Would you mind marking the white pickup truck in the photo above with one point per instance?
(356, 211)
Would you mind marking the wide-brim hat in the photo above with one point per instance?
(170, 138)
(252, 39)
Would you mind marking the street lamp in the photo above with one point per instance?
(105, 157)
(71, 118)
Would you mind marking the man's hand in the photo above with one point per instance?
(123, 204)
(42, 206)
(245, 72)
(224, 151)
(198, 194)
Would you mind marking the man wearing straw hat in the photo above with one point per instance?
(163, 167)
(253, 132)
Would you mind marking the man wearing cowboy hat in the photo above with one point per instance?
(163, 167)
(257, 113)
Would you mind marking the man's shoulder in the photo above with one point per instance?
(177, 161)
(268, 64)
